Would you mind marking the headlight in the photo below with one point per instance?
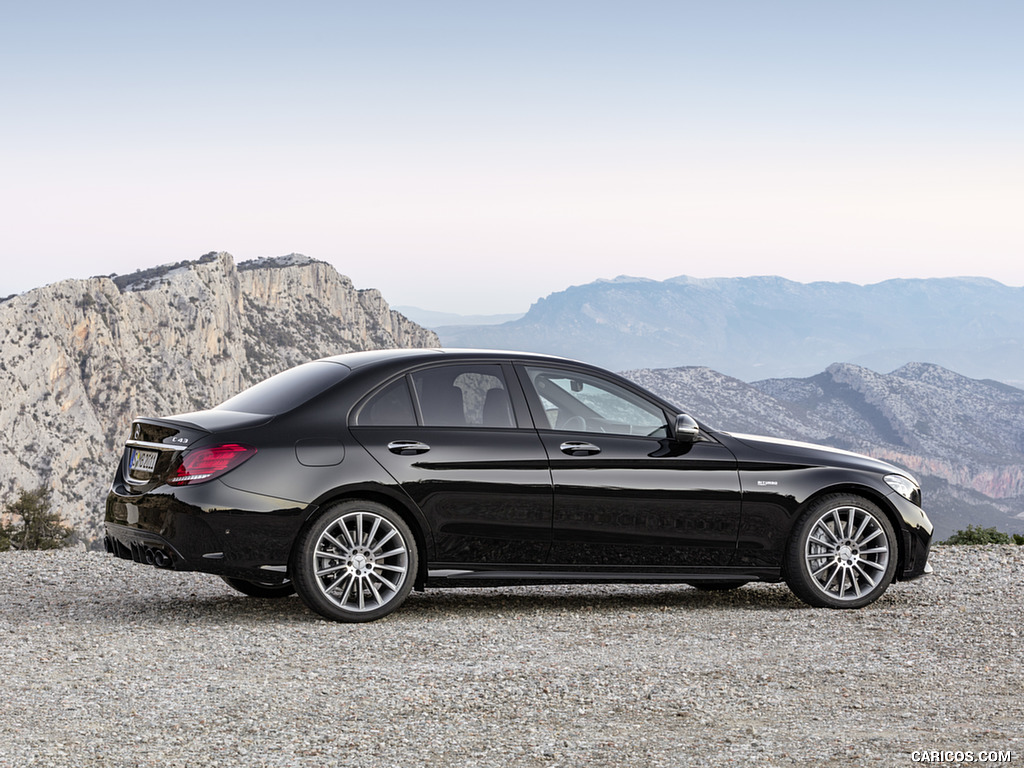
(905, 487)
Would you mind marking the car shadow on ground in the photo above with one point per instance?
(210, 603)
(209, 607)
(598, 599)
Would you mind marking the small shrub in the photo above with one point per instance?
(978, 535)
(1018, 539)
(38, 527)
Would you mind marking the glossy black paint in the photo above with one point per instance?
(639, 503)
(522, 502)
(486, 492)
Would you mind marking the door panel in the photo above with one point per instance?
(637, 504)
(625, 493)
(486, 495)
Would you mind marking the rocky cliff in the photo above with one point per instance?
(79, 359)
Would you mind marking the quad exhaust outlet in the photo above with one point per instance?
(149, 555)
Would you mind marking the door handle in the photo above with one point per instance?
(578, 448)
(408, 447)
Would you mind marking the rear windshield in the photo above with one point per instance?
(288, 389)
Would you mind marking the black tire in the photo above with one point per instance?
(723, 585)
(357, 562)
(842, 553)
(263, 589)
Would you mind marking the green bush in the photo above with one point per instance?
(978, 535)
(36, 526)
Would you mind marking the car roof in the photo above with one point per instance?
(356, 360)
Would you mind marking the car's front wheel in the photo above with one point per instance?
(842, 553)
(356, 562)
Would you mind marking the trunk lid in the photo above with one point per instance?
(154, 446)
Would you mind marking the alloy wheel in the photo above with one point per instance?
(361, 561)
(847, 553)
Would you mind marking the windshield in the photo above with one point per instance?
(288, 389)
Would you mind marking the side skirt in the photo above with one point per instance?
(503, 576)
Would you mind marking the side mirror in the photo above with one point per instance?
(687, 429)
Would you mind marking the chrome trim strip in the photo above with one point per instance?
(158, 446)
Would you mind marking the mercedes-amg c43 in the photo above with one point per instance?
(355, 479)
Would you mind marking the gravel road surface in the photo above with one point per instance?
(108, 663)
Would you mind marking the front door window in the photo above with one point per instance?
(577, 402)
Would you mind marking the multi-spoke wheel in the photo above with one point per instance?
(842, 553)
(357, 562)
(264, 589)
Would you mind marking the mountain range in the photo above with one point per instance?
(768, 327)
(79, 359)
(429, 318)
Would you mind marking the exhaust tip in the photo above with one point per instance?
(161, 559)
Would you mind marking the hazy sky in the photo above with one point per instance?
(473, 156)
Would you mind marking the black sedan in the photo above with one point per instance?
(356, 478)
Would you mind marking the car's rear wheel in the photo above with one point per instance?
(264, 589)
(842, 553)
(356, 562)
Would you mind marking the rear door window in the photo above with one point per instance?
(463, 396)
(445, 396)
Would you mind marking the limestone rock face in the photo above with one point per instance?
(79, 359)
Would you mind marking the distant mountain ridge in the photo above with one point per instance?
(79, 359)
(428, 318)
(767, 327)
(963, 438)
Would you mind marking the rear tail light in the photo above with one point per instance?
(202, 464)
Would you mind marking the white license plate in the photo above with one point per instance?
(142, 461)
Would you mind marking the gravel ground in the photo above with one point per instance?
(108, 663)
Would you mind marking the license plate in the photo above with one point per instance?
(142, 461)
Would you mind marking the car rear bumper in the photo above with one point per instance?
(141, 546)
(209, 528)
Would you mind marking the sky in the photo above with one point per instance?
(472, 157)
